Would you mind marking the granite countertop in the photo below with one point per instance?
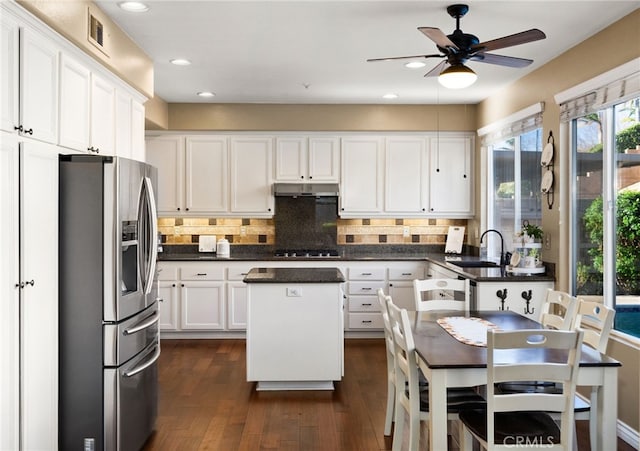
(294, 275)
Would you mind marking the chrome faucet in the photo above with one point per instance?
(502, 256)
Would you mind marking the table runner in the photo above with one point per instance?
(467, 330)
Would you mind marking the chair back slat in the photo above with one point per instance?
(559, 310)
(428, 294)
(599, 323)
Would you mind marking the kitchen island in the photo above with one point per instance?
(295, 330)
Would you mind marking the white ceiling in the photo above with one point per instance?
(315, 51)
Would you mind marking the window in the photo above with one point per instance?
(514, 149)
(606, 208)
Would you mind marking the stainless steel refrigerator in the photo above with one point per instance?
(108, 303)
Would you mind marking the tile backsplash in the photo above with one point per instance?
(254, 231)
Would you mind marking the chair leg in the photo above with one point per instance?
(414, 430)
(466, 439)
(398, 431)
(391, 397)
(593, 427)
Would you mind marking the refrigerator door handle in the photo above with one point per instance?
(152, 241)
(144, 365)
(142, 325)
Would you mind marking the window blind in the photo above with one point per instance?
(521, 122)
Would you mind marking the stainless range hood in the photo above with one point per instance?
(305, 189)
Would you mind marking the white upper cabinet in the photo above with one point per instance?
(252, 175)
(405, 182)
(9, 73)
(450, 176)
(38, 87)
(103, 95)
(313, 159)
(123, 125)
(166, 153)
(138, 151)
(361, 178)
(75, 89)
(206, 182)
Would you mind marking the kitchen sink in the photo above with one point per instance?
(475, 264)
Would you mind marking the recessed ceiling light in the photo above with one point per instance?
(134, 7)
(415, 64)
(206, 94)
(180, 62)
(390, 96)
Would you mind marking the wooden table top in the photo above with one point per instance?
(439, 349)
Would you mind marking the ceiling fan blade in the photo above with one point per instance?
(437, 36)
(509, 41)
(435, 55)
(501, 60)
(436, 70)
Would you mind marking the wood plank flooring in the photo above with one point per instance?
(205, 403)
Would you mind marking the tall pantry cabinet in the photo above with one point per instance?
(28, 294)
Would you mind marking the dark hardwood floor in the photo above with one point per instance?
(205, 403)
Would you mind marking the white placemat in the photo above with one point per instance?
(468, 330)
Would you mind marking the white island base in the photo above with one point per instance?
(295, 335)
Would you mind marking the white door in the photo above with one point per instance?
(168, 293)
(206, 174)
(450, 175)
(75, 85)
(9, 73)
(291, 159)
(137, 131)
(9, 293)
(202, 305)
(323, 159)
(38, 87)
(167, 155)
(39, 295)
(252, 175)
(103, 115)
(123, 141)
(361, 175)
(404, 182)
(236, 305)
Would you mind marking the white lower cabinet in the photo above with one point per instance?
(168, 293)
(401, 278)
(523, 298)
(202, 305)
(29, 294)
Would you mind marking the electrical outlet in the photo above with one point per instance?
(243, 231)
(547, 241)
(406, 232)
(294, 292)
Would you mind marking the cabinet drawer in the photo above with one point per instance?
(366, 273)
(370, 288)
(167, 272)
(365, 321)
(406, 273)
(364, 304)
(238, 272)
(202, 272)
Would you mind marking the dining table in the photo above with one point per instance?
(449, 359)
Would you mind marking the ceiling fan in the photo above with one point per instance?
(459, 47)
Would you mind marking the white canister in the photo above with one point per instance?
(222, 248)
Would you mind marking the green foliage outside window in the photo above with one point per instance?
(628, 138)
(628, 242)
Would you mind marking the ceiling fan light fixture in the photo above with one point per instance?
(134, 7)
(457, 77)
(415, 65)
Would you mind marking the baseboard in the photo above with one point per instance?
(629, 435)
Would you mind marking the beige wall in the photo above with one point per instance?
(282, 117)
(121, 55)
(606, 50)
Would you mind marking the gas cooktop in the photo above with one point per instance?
(306, 253)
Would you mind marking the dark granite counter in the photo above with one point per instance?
(294, 275)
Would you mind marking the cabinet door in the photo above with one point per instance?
(102, 116)
(202, 305)
(323, 160)
(206, 174)
(291, 159)
(123, 139)
(10, 295)
(75, 84)
(236, 305)
(168, 293)
(9, 73)
(406, 160)
(450, 176)
(167, 155)
(138, 151)
(39, 297)
(361, 176)
(38, 87)
(252, 175)
(402, 294)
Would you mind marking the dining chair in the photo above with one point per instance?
(440, 294)
(391, 372)
(558, 310)
(522, 420)
(414, 401)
